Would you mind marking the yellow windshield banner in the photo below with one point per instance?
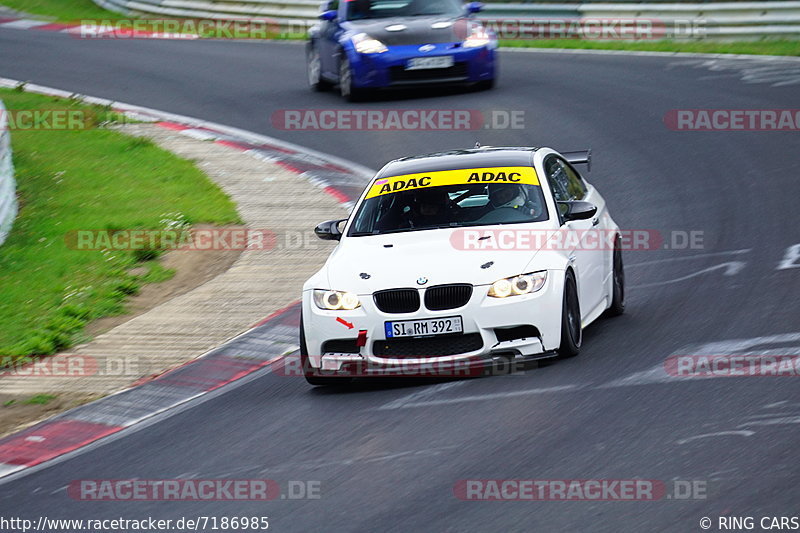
(467, 176)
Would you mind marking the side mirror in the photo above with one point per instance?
(329, 230)
(474, 7)
(577, 210)
(328, 15)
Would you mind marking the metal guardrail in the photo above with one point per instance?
(8, 195)
(741, 19)
(300, 12)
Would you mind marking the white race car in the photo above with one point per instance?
(468, 256)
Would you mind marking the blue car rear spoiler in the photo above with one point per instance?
(579, 157)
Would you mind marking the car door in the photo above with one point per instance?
(584, 249)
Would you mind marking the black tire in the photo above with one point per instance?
(314, 70)
(618, 280)
(308, 373)
(346, 88)
(571, 330)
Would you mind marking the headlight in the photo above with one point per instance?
(367, 45)
(333, 300)
(522, 284)
(477, 37)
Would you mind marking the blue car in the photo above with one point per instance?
(361, 45)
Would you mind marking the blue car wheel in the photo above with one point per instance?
(314, 67)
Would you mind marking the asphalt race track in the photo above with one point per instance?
(388, 458)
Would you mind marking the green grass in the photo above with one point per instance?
(40, 399)
(92, 179)
(765, 47)
(62, 10)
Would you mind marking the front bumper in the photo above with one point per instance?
(332, 345)
(389, 68)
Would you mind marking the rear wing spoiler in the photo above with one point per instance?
(579, 157)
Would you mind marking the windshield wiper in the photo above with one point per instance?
(378, 232)
(447, 225)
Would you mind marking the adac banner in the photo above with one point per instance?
(466, 176)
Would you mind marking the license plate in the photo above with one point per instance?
(419, 63)
(427, 326)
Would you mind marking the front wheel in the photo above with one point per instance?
(571, 330)
(618, 293)
(314, 67)
(346, 89)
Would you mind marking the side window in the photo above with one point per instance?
(556, 178)
(565, 182)
(575, 185)
(330, 5)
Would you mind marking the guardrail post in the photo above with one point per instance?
(8, 193)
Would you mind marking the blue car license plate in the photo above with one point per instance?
(419, 63)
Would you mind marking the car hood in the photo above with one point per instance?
(418, 30)
(367, 264)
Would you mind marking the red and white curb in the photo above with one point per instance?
(262, 346)
(46, 441)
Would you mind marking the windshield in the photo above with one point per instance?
(430, 206)
(376, 9)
